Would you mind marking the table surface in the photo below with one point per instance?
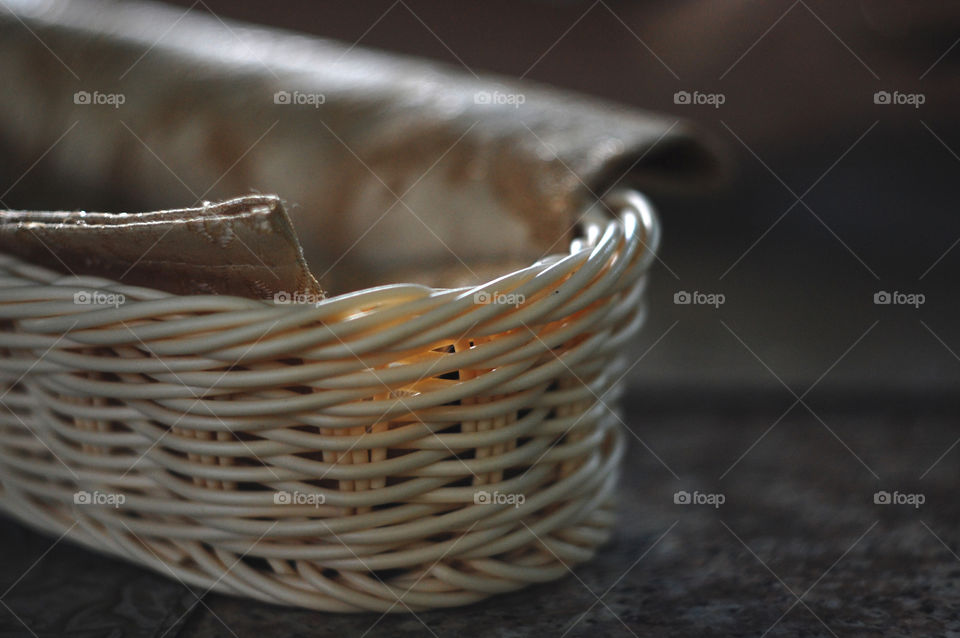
(798, 547)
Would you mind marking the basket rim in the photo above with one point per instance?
(621, 209)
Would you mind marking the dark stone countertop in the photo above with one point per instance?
(799, 520)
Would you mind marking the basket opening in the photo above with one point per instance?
(467, 241)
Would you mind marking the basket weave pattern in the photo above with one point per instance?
(399, 448)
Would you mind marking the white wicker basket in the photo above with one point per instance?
(393, 449)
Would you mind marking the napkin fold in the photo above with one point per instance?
(392, 167)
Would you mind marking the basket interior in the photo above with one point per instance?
(467, 241)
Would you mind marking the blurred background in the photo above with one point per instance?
(835, 195)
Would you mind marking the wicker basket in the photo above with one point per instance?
(394, 449)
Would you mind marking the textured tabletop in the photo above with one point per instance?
(798, 546)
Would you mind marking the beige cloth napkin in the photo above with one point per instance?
(390, 166)
(244, 247)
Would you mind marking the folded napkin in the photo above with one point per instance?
(244, 247)
(392, 167)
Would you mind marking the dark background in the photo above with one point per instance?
(877, 182)
(798, 398)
